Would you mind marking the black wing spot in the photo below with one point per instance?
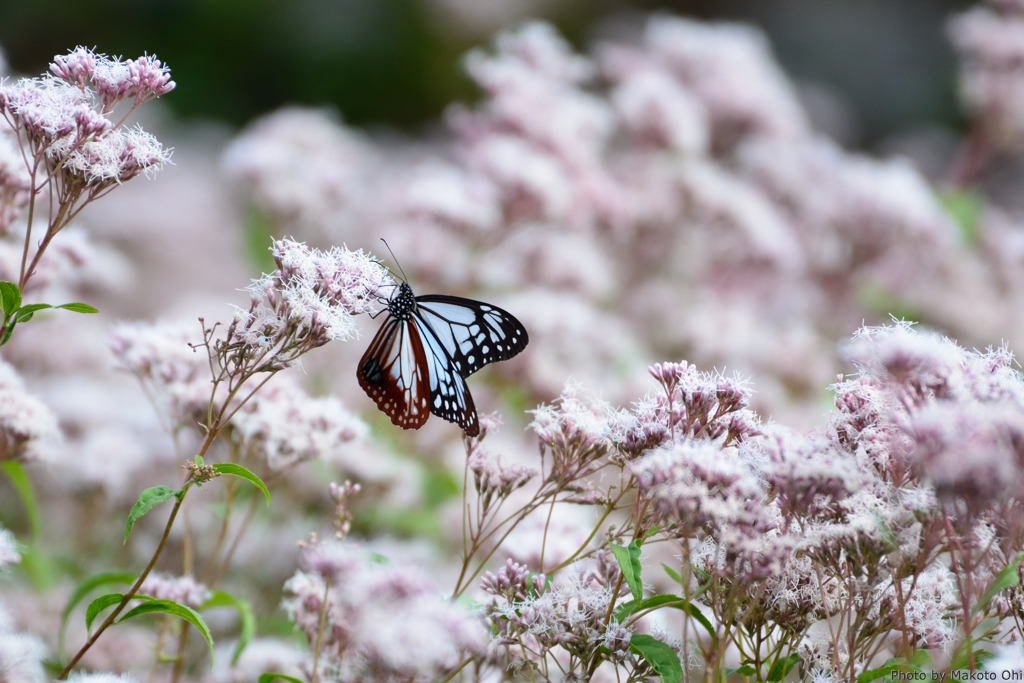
(373, 372)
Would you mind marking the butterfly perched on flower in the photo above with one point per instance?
(418, 362)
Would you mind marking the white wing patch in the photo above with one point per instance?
(449, 396)
(473, 334)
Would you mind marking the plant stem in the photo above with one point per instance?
(131, 593)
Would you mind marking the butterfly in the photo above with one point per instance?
(419, 359)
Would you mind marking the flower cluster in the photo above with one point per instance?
(174, 373)
(284, 426)
(495, 479)
(28, 427)
(991, 42)
(183, 590)
(534, 621)
(955, 415)
(368, 619)
(66, 119)
(309, 300)
(660, 196)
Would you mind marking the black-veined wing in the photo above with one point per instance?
(394, 373)
(472, 333)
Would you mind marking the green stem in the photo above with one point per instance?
(131, 593)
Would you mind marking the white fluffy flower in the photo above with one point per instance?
(29, 427)
(285, 425)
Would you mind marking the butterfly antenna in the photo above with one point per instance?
(395, 259)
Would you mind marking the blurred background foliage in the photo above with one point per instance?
(395, 63)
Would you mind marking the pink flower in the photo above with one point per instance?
(371, 607)
(29, 429)
(285, 426)
(183, 590)
(309, 300)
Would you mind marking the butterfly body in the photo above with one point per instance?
(419, 359)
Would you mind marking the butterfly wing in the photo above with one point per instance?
(449, 396)
(394, 373)
(472, 333)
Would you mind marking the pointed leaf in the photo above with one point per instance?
(628, 558)
(248, 625)
(175, 609)
(148, 500)
(627, 609)
(695, 612)
(1008, 577)
(920, 659)
(25, 313)
(239, 471)
(745, 670)
(673, 574)
(270, 678)
(662, 658)
(962, 662)
(78, 308)
(83, 589)
(782, 666)
(103, 602)
(7, 335)
(10, 298)
(23, 485)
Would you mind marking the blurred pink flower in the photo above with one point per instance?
(991, 44)
(183, 590)
(370, 608)
(29, 428)
(284, 426)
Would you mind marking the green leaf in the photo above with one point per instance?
(627, 609)
(629, 562)
(894, 664)
(962, 662)
(248, 627)
(148, 500)
(695, 612)
(199, 460)
(23, 485)
(83, 589)
(100, 604)
(920, 659)
(1008, 577)
(673, 574)
(662, 658)
(270, 678)
(966, 207)
(916, 663)
(10, 298)
(25, 313)
(177, 610)
(8, 333)
(78, 308)
(745, 670)
(239, 471)
(783, 666)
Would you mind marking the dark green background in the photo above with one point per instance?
(396, 62)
